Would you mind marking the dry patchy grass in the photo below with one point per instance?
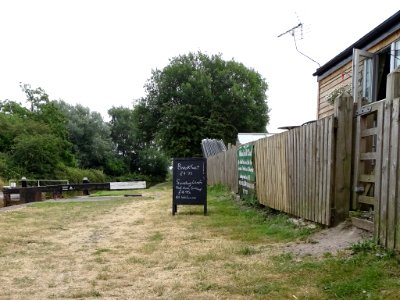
(125, 249)
(135, 249)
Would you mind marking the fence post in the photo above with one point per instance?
(393, 85)
(343, 159)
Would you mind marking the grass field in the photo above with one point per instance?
(133, 248)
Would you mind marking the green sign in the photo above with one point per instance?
(247, 175)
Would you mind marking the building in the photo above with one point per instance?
(361, 68)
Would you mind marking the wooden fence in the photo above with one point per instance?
(307, 171)
(222, 169)
(294, 171)
(387, 202)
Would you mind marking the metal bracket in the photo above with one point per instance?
(359, 189)
(363, 111)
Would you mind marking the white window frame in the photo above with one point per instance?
(395, 55)
(368, 79)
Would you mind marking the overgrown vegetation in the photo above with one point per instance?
(49, 139)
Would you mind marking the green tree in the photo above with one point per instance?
(131, 135)
(154, 163)
(24, 132)
(89, 135)
(123, 130)
(38, 155)
(197, 96)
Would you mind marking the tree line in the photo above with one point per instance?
(195, 96)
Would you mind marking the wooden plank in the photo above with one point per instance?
(310, 173)
(397, 205)
(325, 172)
(322, 171)
(332, 82)
(285, 171)
(306, 171)
(366, 200)
(343, 159)
(296, 171)
(369, 132)
(385, 42)
(293, 170)
(289, 154)
(265, 166)
(313, 171)
(303, 171)
(258, 170)
(268, 166)
(356, 161)
(367, 178)
(319, 170)
(337, 72)
(368, 156)
(296, 133)
(280, 170)
(378, 166)
(278, 187)
(393, 180)
(330, 180)
(346, 69)
(311, 166)
(270, 153)
(325, 114)
(273, 173)
(271, 187)
(363, 224)
(385, 174)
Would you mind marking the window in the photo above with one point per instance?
(395, 55)
(370, 72)
(367, 82)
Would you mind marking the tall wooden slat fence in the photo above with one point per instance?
(307, 171)
(387, 208)
(294, 171)
(222, 169)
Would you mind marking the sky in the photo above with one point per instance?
(100, 53)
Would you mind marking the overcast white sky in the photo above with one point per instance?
(99, 53)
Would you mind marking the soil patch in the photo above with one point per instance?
(330, 240)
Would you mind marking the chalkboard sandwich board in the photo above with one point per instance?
(189, 182)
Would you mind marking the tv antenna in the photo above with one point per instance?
(292, 31)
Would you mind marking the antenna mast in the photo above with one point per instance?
(292, 31)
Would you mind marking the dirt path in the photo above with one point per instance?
(330, 240)
(134, 250)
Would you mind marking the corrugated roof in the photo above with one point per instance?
(211, 147)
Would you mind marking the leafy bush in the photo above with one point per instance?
(37, 155)
(116, 167)
(7, 168)
(76, 175)
(153, 163)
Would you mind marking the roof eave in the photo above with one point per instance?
(380, 32)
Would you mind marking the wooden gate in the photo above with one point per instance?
(367, 155)
(376, 168)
